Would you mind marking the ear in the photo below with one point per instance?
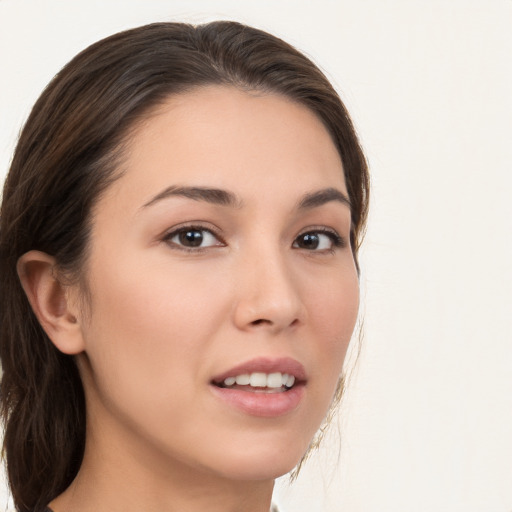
(51, 301)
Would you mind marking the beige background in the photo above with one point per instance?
(427, 423)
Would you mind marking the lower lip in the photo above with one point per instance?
(267, 405)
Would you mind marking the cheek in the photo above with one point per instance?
(154, 320)
(333, 312)
(333, 306)
(145, 331)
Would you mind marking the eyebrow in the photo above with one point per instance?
(225, 198)
(321, 197)
(210, 195)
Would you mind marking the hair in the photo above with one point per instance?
(67, 154)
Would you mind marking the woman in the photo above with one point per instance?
(178, 243)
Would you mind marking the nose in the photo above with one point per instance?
(268, 294)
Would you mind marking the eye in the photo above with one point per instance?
(192, 237)
(319, 240)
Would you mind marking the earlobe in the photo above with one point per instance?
(50, 301)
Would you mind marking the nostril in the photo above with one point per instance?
(264, 321)
(260, 321)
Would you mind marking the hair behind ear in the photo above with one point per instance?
(41, 389)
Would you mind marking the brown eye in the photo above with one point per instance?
(318, 241)
(192, 238)
(308, 241)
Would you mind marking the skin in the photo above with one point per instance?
(163, 320)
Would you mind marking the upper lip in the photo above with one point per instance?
(265, 365)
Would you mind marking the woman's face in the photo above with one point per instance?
(222, 252)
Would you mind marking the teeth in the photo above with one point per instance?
(261, 380)
(242, 380)
(258, 380)
(274, 380)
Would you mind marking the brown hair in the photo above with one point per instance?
(66, 156)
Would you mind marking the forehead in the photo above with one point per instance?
(227, 138)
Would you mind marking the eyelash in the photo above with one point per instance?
(188, 229)
(338, 242)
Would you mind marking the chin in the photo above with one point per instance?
(261, 472)
(260, 462)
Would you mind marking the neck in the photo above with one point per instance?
(119, 473)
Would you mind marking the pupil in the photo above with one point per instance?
(310, 241)
(191, 238)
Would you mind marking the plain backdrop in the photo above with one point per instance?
(427, 421)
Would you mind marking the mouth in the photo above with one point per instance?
(258, 382)
(262, 387)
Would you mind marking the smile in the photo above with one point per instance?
(262, 387)
(260, 382)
